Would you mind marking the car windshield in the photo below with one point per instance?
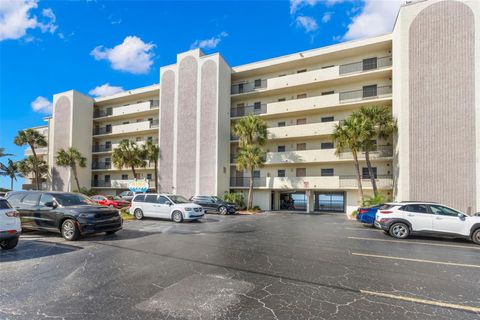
(67, 199)
(178, 199)
(217, 199)
(114, 198)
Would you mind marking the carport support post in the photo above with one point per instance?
(310, 200)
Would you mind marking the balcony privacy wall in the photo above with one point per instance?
(62, 114)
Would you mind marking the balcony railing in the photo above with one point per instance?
(367, 93)
(154, 104)
(365, 65)
(102, 148)
(383, 182)
(102, 130)
(380, 152)
(245, 182)
(101, 165)
(101, 184)
(246, 110)
(102, 113)
(249, 86)
(154, 123)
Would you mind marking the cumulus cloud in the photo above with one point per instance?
(307, 23)
(42, 104)
(16, 18)
(295, 5)
(105, 90)
(132, 55)
(326, 17)
(375, 18)
(209, 43)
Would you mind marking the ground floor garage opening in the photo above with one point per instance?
(330, 202)
(323, 201)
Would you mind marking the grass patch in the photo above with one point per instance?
(126, 216)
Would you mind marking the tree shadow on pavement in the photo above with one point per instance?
(31, 249)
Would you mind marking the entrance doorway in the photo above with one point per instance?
(293, 201)
(330, 202)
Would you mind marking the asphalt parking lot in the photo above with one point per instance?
(267, 266)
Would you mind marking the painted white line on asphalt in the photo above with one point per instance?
(416, 260)
(423, 301)
(364, 229)
(417, 242)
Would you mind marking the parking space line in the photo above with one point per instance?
(423, 301)
(416, 260)
(364, 229)
(416, 242)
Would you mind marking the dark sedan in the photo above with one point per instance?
(213, 203)
(71, 214)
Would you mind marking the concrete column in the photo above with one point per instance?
(310, 201)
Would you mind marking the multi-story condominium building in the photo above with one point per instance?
(426, 71)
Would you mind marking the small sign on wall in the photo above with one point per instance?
(139, 186)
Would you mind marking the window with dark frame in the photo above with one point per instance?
(369, 64)
(301, 172)
(301, 146)
(366, 174)
(258, 83)
(369, 91)
(281, 149)
(281, 173)
(327, 172)
(124, 176)
(328, 119)
(326, 145)
(326, 93)
(281, 124)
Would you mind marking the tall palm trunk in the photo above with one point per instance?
(11, 183)
(134, 173)
(370, 172)
(35, 167)
(250, 191)
(359, 177)
(74, 169)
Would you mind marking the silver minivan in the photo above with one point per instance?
(166, 206)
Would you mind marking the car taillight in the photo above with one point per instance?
(11, 214)
(362, 211)
(385, 211)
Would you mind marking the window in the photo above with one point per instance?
(240, 88)
(124, 176)
(444, 211)
(257, 105)
(31, 199)
(162, 200)
(301, 146)
(281, 149)
(302, 121)
(328, 119)
(258, 83)
(281, 124)
(326, 145)
(369, 91)
(107, 162)
(151, 198)
(302, 71)
(138, 139)
(282, 99)
(108, 144)
(301, 96)
(15, 198)
(301, 172)
(107, 178)
(418, 208)
(326, 93)
(4, 204)
(150, 139)
(45, 198)
(139, 198)
(125, 122)
(366, 175)
(281, 173)
(330, 66)
(149, 176)
(109, 111)
(108, 128)
(256, 174)
(327, 172)
(369, 64)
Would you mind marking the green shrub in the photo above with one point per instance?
(378, 198)
(256, 208)
(236, 198)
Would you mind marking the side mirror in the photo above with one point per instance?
(168, 203)
(51, 204)
(462, 216)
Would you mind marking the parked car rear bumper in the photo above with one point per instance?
(9, 234)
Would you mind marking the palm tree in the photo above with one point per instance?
(3, 154)
(128, 154)
(34, 139)
(71, 158)
(348, 135)
(249, 158)
(31, 165)
(252, 132)
(10, 170)
(151, 152)
(376, 122)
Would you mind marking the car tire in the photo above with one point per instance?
(476, 236)
(9, 244)
(223, 210)
(177, 216)
(138, 213)
(70, 230)
(111, 232)
(399, 230)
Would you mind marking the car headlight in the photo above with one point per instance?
(188, 209)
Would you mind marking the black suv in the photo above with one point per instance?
(213, 203)
(72, 214)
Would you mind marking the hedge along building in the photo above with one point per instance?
(426, 71)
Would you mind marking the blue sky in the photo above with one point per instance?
(102, 47)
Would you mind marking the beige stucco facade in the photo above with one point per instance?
(426, 71)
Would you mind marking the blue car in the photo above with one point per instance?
(367, 215)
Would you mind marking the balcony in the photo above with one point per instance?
(302, 130)
(244, 182)
(101, 165)
(247, 110)
(102, 148)
(372, 92)
(127, 110)
(313, 76)
(114, 184)
(303, 183)
(127, 128)
(383, 182)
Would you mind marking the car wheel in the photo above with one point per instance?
(111, 232)
(222, 210)
(138, 213)
(476, 236)
(177, 216)
(399, 230)
(9, 244)
(70, 231)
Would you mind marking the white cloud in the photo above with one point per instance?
(327, 16)
(307, 23)
(105, 90)
(295, 5)
(376, 17)
(16, 18)
(42, 104)
(132, 55)
(209, 43)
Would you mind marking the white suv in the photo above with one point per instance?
(402, 219)
(167, 206)
(10, 227)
